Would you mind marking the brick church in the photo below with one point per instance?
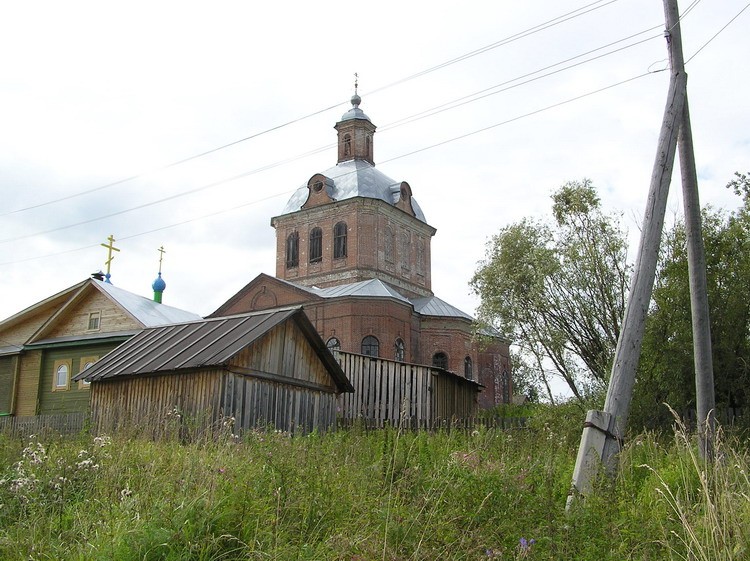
(353, 247)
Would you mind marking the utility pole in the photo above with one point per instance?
(704, 370)
(604, 430)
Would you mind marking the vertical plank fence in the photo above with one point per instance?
(397, 393)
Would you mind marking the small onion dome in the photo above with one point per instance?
(355, 112)
(159, 285)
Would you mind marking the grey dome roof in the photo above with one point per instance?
(355, 112)
(355, 178)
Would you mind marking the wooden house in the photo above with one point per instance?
(45, 345)
(252, 370)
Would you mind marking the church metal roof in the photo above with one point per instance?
(355, 178)
(373, 288)
(434, 306)
(369, 288)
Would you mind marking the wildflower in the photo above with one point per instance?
(102, 441)
(524, 546)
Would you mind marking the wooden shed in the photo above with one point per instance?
(251, 370)
(399, 393)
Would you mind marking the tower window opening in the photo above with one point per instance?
(316, 245)
(292, 250)
(339, 240)
(347, 145)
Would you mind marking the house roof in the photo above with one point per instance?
(144, 311)
(206, 343)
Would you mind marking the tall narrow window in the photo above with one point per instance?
(339, 240)
(400, 353)
(370, 346)
(292, 250)
(347, 145)
(316, 245)
(468, 370)
(440, 360)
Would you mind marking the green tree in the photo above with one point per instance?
(666, 371)
(559, 288)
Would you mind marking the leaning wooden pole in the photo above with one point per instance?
(604, 430)
(704, 370)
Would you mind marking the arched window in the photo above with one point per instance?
(61, 376)
(333, 344)
(440, 360)
(370, 346)
(316, 245)
(292, 250)
(468, 370)
(339, 240)
(347, 145)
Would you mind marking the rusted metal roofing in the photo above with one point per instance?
(201, 344)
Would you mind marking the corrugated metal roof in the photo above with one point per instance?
(186, 345)
(148, 312)
(355, 178)
(205, 343)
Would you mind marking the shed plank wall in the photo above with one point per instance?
(150, 402)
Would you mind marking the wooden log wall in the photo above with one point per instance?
(389, 392)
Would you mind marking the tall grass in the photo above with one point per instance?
(356, 495)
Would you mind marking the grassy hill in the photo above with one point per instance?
(359, 495)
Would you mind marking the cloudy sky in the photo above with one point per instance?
(484, 107)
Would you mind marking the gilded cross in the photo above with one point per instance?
(110, 248)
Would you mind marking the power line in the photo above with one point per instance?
(717, 33)
(520, 35)
(476, 96)
(428, 113)
(430, 147)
